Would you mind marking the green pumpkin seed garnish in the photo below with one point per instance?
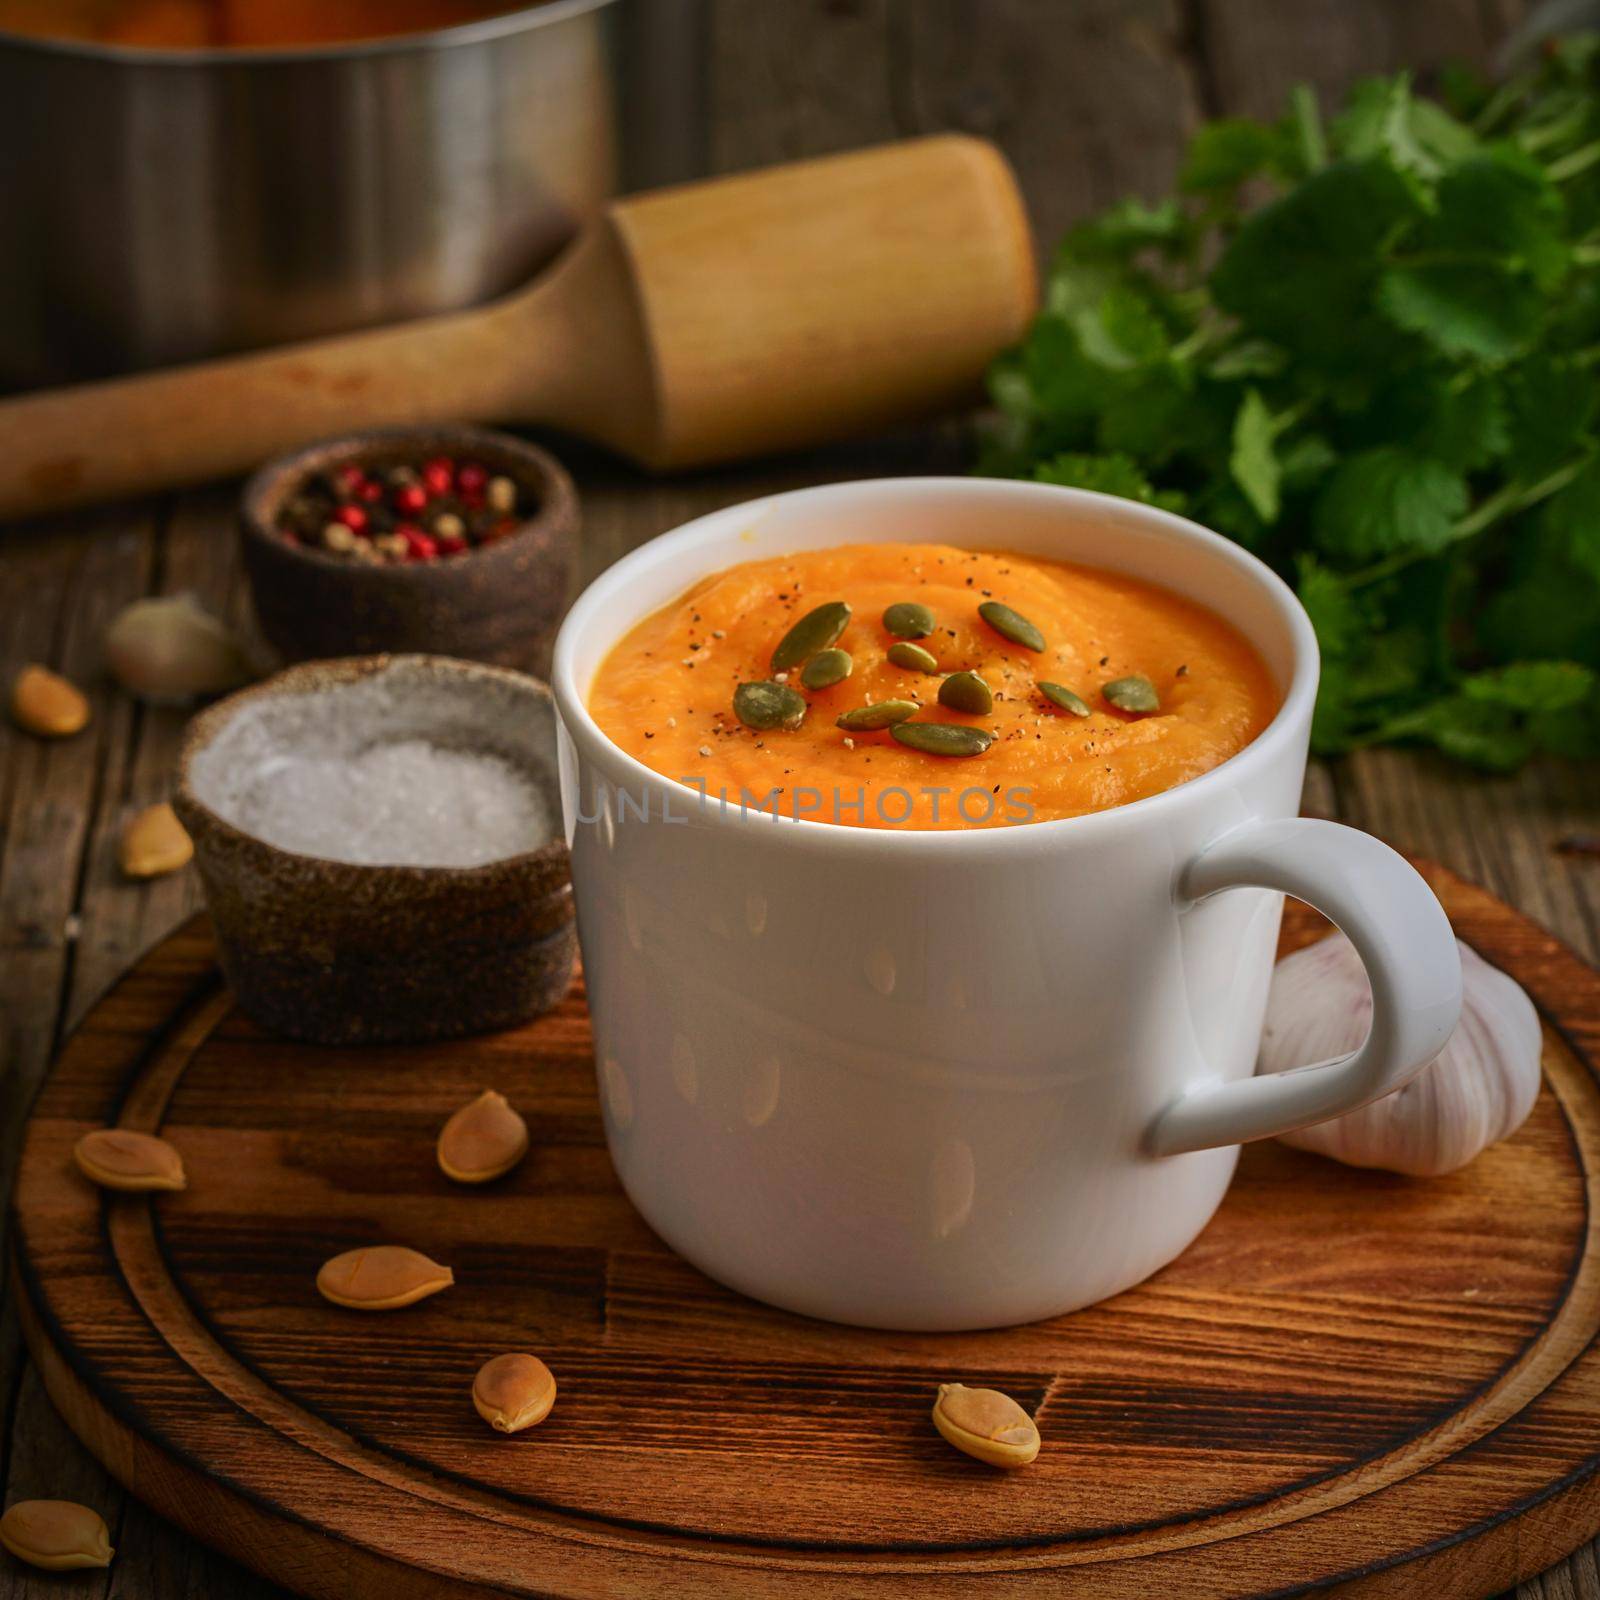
(769, 705)
(1059, 695)
(907, 620)
(826, 668)
(966, 691)
(1011, 625)
(815, 631)
(942, 738)
(870, 719)
(1133, 693)
(912, 656)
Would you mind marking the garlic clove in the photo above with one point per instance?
(172, 649)
(1477, 1091)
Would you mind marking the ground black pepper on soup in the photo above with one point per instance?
(899, 684)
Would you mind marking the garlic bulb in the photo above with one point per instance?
(173, 649)
(1477, 1090)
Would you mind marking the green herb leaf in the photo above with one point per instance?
(1121, 331)
(1151, 414)
(1472, 279)
(1385, 380)
(1463, 308)
(1532, 685)
(1061, 381)
(1223, 154)
(1383, 118)
(1503, 208)
(1572, 522)
(1574, 732)
(1474, 731)
(1466, 424)
(1548, 608)
(1249, 358)
(1108, 474)
(1306, 461)
(1332, 606)
(1128, 227)
(1380, 121)
(1254, 460)
(1552, 407)
(1388, 500)
(1301, 270)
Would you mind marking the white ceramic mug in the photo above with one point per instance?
(940, 1080)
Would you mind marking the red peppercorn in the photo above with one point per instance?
(349, 478)
(452, 547)
(472, 499)
(438, 475)
(411, 499)
(471, 476)
(353, 517)
(370, 490)
(422, 548)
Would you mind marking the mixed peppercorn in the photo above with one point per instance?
(400, 512)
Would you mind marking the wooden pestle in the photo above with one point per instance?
(720, 319)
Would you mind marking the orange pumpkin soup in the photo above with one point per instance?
(1147, 689)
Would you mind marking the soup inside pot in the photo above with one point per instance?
(236, 24)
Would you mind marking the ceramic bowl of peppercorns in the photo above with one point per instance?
(452, 541)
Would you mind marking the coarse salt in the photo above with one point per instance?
(406, 802)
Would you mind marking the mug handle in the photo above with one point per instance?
(1404, 939)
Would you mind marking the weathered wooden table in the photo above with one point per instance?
(1092, 99)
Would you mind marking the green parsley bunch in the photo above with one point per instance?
(1370, 352)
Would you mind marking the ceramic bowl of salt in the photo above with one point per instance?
(381, 848)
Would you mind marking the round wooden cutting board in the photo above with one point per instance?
(1352, 1378)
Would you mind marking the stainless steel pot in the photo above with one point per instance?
(161, 206)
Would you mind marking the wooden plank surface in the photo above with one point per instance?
(1091, 98)
(1407, 1413)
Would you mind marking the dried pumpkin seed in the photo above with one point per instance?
(1132, 693)
(815, 631)
(871, 719)
(513, 1392)
(913, 657)
(59, 1535)
(381, 1277)
(1058, 694)
(826, 668)
(154, 843)
(1011, 625)
(482, 1141)
(134, 1163)
(966, 691)
(905, 619)
(986, 1424)
(44, 703)
(764, 706)
(942, 738)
